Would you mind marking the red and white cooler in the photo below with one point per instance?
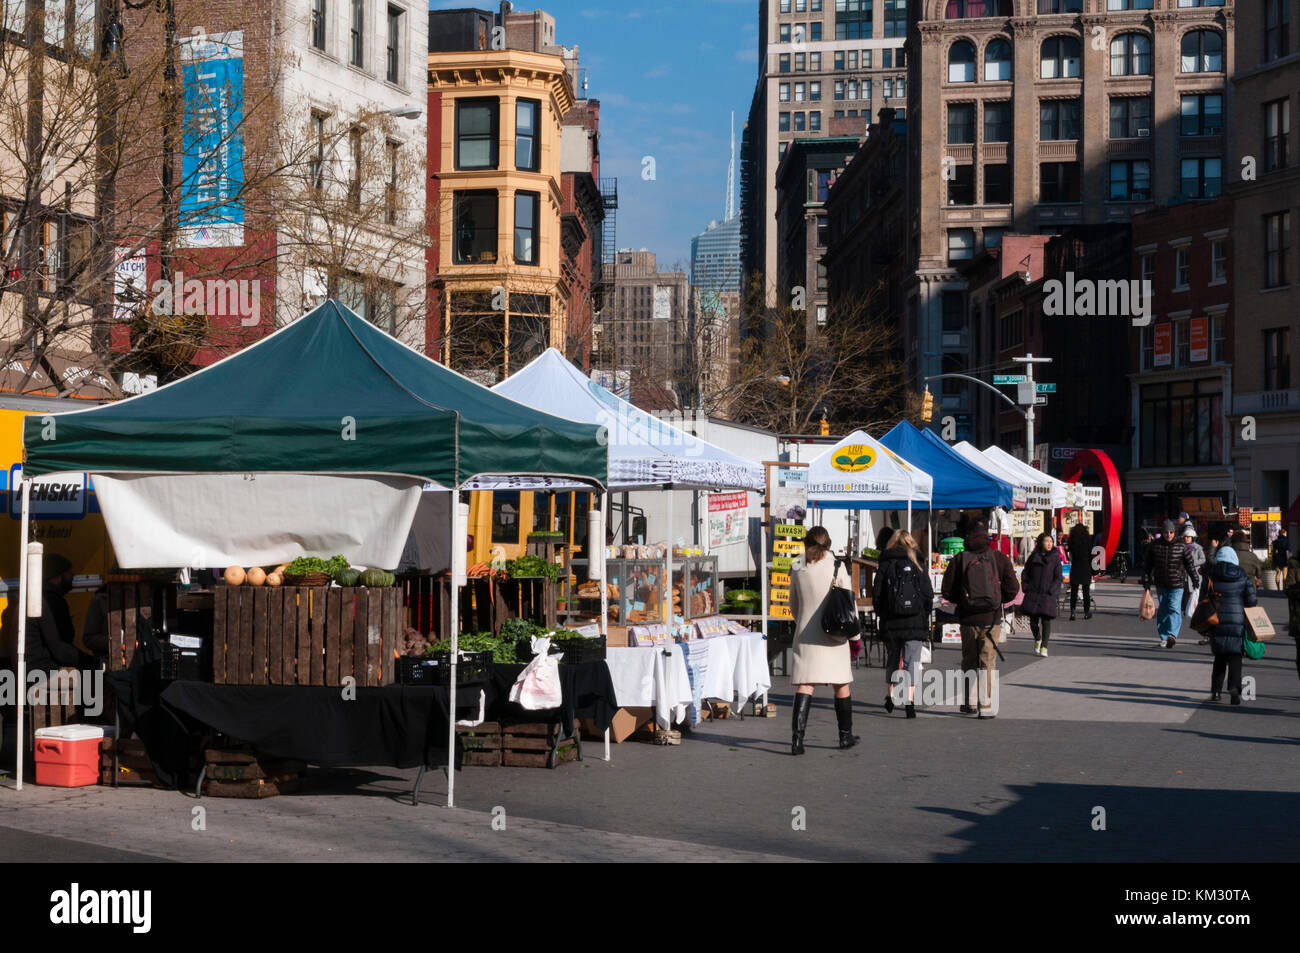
(67, 756)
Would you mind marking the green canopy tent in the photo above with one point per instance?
(317, 439)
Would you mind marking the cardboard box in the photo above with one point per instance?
(1259, 628)
(626, 722)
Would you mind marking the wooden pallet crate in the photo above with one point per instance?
(244, 773)
(536, 745)
(481, 744)
(254, 789)
(133, 764)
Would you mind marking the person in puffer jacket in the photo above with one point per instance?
(1246, 557)
(904, 635)
(1236, 593)
(1170, 569)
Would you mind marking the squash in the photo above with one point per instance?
(375, 578)
(256, 576)
(348, 578)
(392, 580)
(235, 575)
(280, 569)
(274, 579)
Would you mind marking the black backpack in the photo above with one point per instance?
(840, 611)
(981, 591)
(903, 596)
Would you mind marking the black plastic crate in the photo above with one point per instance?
(580, 649)
(473, 668)
(182, 664)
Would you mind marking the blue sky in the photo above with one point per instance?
(667, 78)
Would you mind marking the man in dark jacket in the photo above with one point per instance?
(50, 638)
(1246, 557)
(1080, 547)
(1170, 569)
(980, 581)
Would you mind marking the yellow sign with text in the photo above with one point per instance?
(781, 579)
(780, 595)
(853, 458)
(781, 612)
(790, 547)
(791, 530)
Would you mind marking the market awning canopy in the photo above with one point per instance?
(958, 484)
(329, 393)
(860, 473)
(644, 451)
(1041, 498)
(1045, 491)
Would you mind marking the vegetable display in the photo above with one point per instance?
(306, 564)
(532, 566)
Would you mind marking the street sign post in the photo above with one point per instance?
(1009, 379)
(1047, 388)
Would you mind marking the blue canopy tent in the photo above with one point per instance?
(957, 483)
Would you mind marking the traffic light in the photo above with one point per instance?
(927, 406)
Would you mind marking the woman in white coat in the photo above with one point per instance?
(819, 659)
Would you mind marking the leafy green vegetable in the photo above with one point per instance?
(504, 651)
(869, 553)
(744, 595)
(526, 566)
(305, 564)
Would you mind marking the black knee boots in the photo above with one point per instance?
(844, 715)
(799, 721)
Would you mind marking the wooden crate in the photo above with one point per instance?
(536, 745)
(243, 773)
(255, 789)
(133, 765)
(481, 744)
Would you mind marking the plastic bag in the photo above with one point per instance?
(1147, 607)
(538, 686)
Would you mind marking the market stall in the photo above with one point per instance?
(318, 439)
(861, 473)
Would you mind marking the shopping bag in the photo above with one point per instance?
(1147, 607)
(538, 686)
(1259, 628)
(927, 656)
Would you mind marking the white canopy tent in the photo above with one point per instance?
(861, 473)
(1060, 494)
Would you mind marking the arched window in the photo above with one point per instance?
(1059, 58)
(997, 61)
(1202, 52)
(968, 9)
(1130, 55)
(961, 62)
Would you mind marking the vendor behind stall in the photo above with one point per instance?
(50, 638)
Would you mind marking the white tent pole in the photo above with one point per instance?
(668, 572)
(22, 627)
(604, 581)
(455, 646)
(762, 568)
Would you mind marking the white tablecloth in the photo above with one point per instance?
(732, 665)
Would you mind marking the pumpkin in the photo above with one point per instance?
(256, 576)
(376, 578)
(392, 580)
(235, 575)
(274, 579)
(279, 570)
(348, 578)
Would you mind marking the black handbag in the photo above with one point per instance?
(840, 611)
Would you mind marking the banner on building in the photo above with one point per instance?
(1163, 350)
(130, 283)
(1200, 344)
(212, 141)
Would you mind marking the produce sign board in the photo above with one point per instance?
(790, 530)
(788, 547)
(782, 563)
(780, 595)
(781, 612)
(781, 579)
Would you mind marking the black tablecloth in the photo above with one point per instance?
(586, 687)
(395, 725)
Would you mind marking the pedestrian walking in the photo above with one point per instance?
(1235, 592)
(903, 598)
(1250, 563)
(819, 658)
(1292, 585)
(1168, 568)
(979, 581)
(1041, 580)
(1191, 594)
(1280, 552)
(1080, 547)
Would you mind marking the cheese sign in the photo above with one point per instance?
(782, 563)
(781, 612)
(781, 579)
(788, 547)
(789, 529)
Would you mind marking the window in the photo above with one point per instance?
(784, 61)
(997, 122)
(997, 61)
(1148, 348)
(1200, 3)
(887, 88)
(799, 123)
(799, 92)
(961, 123)
(853, 59)
(814, 121)
(476, 227)
(1128, 4)
(527, 113)
(390, 188)
(815, 62)
(839, 60)
(815, 92)
(1059, 58)
(318, 24)
(505, 505)
(1182, 343)
(839, 89)
(838, 114)
(853, 89)
(1130, 55)
(823, 231)
(1277, 130)
(49, 263)
(1011, 330)
(954, 312)
(1130, 181)
(866, 59)
(1277, 238)
(783, 33)
(961, 244)
(1202, 52)
(821, 316)
(526, 205)
(1277, 23)
(354, 182)
(1181, 424)
(476, 133)
(961, 187)
(896, 18)
(1218, 340)
(783, 92)
(965, 9)
(800, 6)
(1202, 178)
(997, 184)
(1058, 119)
(961, 62)
(1130, 117)
(1202, 115)
(1277, 359)
(783, 122)
(1060, 6)
(393, 47)
(886, 59)
(993, 237)
(318, 160)
(800, 61)
(1147, 268)
(1182, 268)
(866, 93)
(815, 31)
(900, 89)
(1218, 261)
(357, 45)
(853, 19)
(1058, 182)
